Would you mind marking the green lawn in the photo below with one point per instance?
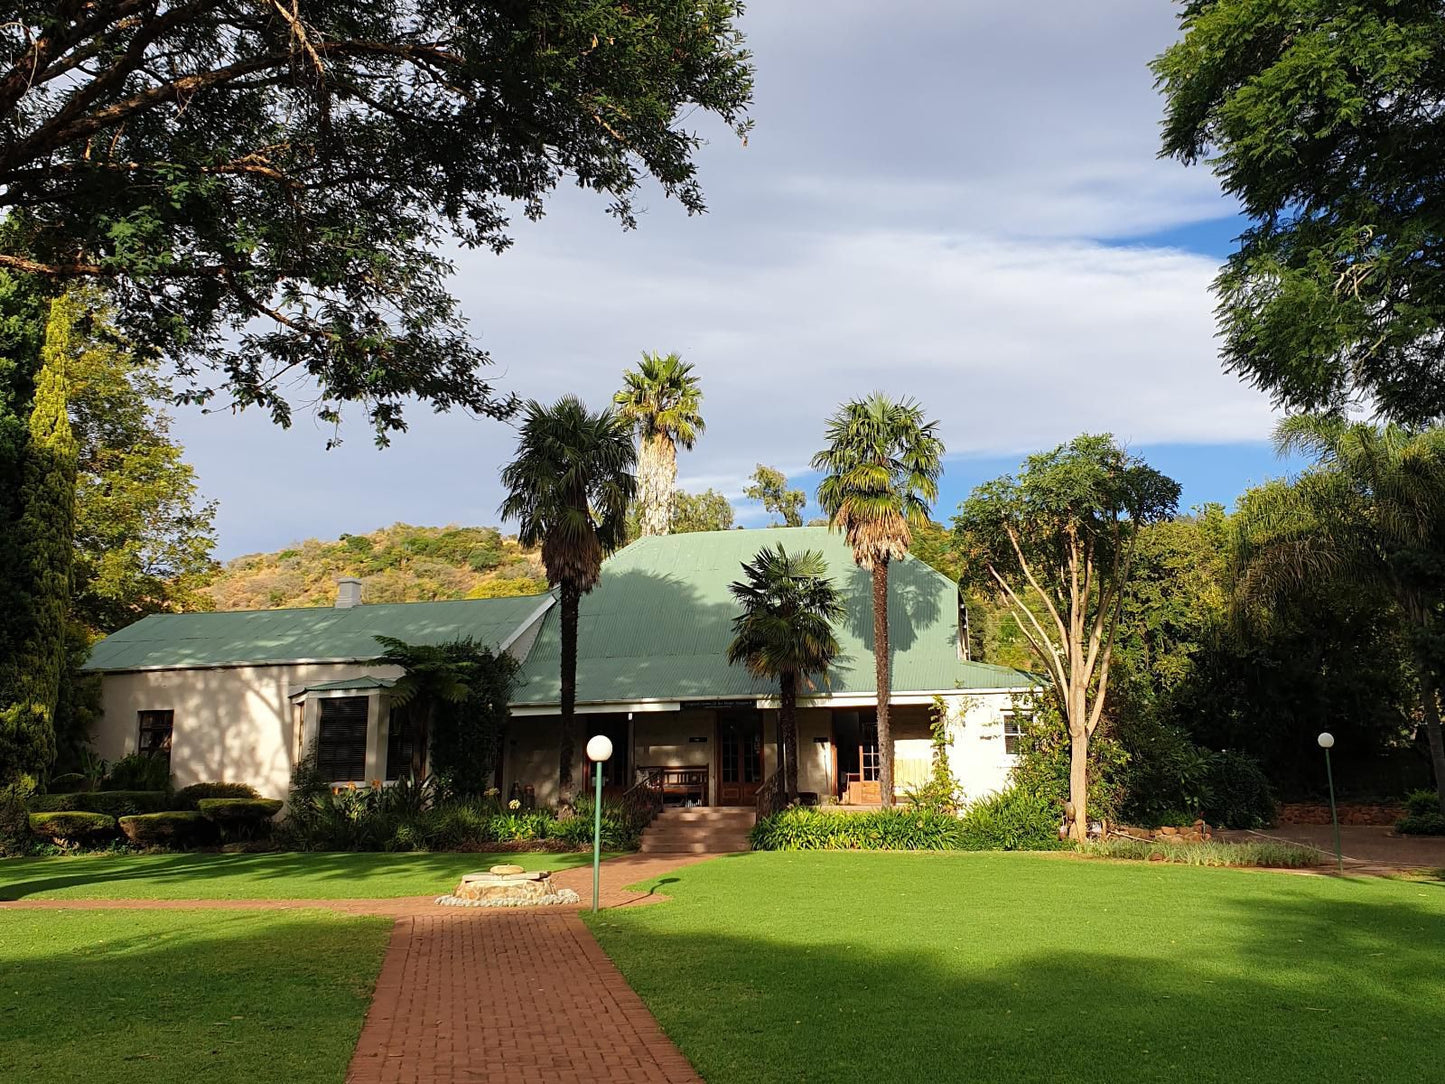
(177, 997)
(252, 876)
(1000, 967)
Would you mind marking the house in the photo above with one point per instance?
(242, 696)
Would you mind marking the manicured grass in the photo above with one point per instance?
(1009, 967)
(177, 997)
(285, 875)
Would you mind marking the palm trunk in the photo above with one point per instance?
(1430, 703)
(567, 738)
(881, 667)
(657, 478)
(788, 730)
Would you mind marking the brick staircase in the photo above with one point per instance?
(698, 831)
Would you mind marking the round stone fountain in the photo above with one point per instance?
(507, 886)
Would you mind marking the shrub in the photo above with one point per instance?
(1240, 794)
(240, 818)
(138, 772)
(191, 796)
(802, 829)
(73, 826)
(1422, 803)
(117, 803)
(508, 827)
(1264, 853)
(621, 831)
(176, 828)
(1044, 755)
(1421, 824)
(15, 835)
(1012, 820)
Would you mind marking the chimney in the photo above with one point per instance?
(348, 592)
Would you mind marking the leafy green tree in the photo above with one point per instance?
(1371, 511)
(568, 488)
(1322, 118)
(663, 400)
(268, 187)
(770, 489)
(880, 471)
(705, 511)
(30, 676)
(1062, 537)
(785, 633)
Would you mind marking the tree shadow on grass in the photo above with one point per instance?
(1275, 985)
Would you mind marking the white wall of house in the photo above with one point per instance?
(236, 724)
(976, 753)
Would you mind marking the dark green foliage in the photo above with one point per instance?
(705, 511)
(178, 828)
(1422, 824)
(73, 826)
(1240, 794)
(1012, 820)
(191, 796)
(30, 672)
(1321, 117)
(941, 794)
(1042, 767)
(241, 819)
(117, 803)
(15, 838)
(275, 195)
(137, 771)
(1421, 801)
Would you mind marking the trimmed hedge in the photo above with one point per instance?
(191, 797)
(239, 809)
(178, 828)
(73, 826)
(115, 803)
(1421, 824)
(1265, 853)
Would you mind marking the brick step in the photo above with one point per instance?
(732, 841)
(718, 816)
(650, 847)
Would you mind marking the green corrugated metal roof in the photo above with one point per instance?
(658, 624)
(252, 637)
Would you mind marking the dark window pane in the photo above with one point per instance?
(341, 739)
(400, 744)
(155, 734)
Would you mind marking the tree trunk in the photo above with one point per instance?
(881, 663)
(1430, 702)
(656, 480)
(567, 737)
(1079, 783)
(788, 730)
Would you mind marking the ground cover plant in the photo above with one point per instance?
(864, 966)
(174, 997)
(253, 876)
(1265, 853)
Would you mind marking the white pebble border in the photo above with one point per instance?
(564, 895)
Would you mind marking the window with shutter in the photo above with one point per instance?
(341, 738)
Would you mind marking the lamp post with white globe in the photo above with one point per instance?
(1327, 741)
(599, 749)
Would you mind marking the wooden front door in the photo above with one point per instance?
(855, 736)
(740, 756)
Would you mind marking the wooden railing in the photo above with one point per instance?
(771, 796)
(643, 800)
(685, 784)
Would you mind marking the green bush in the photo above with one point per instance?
(117, 803)
(1012, 820)
(1422, 803)
(1421, 824)
(73, 826)
(15, 835)
(138, 772)
(521, 827)
(190, 797)
(177, 828)
(1240, 794)
(1264, 853)
(241, 819)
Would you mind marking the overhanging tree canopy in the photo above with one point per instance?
(266, 184)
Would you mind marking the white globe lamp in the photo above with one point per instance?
(599, 749)
(1326, 740)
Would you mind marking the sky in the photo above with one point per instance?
(956, 202)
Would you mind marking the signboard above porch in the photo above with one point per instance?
(719, 704)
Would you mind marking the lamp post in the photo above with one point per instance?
(599, 749)
(1327, 741)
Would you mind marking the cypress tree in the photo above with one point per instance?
(30, 681)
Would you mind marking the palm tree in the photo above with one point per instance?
(568, 488)
(661, 398)
(1371, 511)
(785, 632)
(881, 470)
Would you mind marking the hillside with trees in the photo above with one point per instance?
(400, 563)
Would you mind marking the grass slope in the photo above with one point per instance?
(287, 875)
(107, 997)
(1009, 967)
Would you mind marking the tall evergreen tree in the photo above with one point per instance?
(30, 685)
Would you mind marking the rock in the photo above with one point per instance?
(519, 888)
(506, 871)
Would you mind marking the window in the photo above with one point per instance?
(155, 734)
(1012, 731)
(401, 738)
(341, 738)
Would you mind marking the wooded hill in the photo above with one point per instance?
(400, 563)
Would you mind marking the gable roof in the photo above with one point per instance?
(658, 624)
(307, 634)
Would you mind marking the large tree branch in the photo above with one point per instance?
(1034, 583)
(1040, 642)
